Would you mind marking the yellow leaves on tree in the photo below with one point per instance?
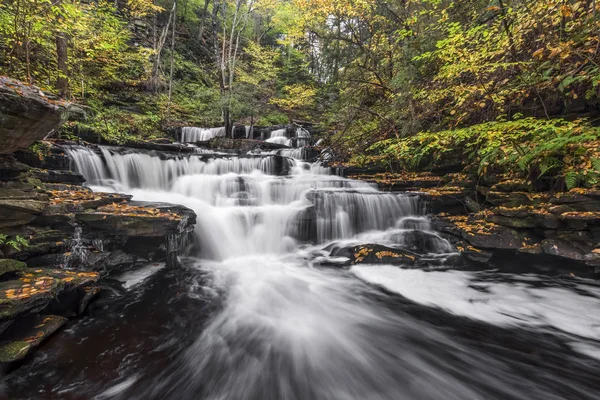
(295, 97)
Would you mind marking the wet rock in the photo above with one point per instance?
(514, 199)
(569, 249)
(474, 254)
(14, 212)
(378, 254)
(511, 222)
(36, 288)
(42, 242)
(72, 201)
(408, 181)
(545, 220)
(483, 234)
(26, 335)
(53, 157)
(581, 220)
(577, 200)
(240, 145)
(57, 176)
(26, 115)
(512, 185)
(452, 200)
(10, 168)
(8, 267)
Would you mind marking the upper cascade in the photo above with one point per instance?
(191, 134)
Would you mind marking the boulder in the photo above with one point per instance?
(27, 115)
(8, 267)
(14, 212)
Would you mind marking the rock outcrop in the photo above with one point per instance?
(505, 217)
(27, 114)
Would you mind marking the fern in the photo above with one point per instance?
(18, 242)
(596, 164)
(571, 179)
(548, 165)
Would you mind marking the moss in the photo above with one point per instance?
(8, 265)
(14, 351)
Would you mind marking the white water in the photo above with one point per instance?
(289, 331)
(193, 134)
(279, 136)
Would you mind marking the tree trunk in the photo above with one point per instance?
(155, 82)
(172, 57)
(62, 82)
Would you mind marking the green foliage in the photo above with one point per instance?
(530, 147)
(272, 118)
(40, 148)
(17, 243)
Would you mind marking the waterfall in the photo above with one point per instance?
(249, 206)
(302, 137)
(127, 170)
(279, 136)
(192, 134)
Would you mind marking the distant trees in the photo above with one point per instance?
(366, 69)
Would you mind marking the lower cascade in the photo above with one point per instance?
(295, 290)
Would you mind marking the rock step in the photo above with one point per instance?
(34, 289)
(26, 335)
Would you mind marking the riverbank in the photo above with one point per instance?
(58, 238)
(504, 217)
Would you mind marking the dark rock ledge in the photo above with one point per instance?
(75, 237)
(504, 217)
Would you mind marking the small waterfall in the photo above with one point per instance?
(191, 134)
(249, 131)
(302, 137)
(279, 136)
(78, 249)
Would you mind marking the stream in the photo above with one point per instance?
(263, 309)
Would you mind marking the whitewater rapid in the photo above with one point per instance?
(283, 327)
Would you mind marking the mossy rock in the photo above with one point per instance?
(13, 351)
(35, 288)
(511, 222)
(27, 335)
(10, 266)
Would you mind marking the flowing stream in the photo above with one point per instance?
(265, 310)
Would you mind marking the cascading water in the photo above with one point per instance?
(279, 136)
(280, 327)
(192, 134)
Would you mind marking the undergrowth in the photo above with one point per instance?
(567, 151)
